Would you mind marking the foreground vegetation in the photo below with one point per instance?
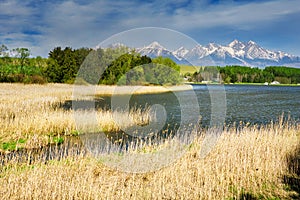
(248, 162)
(251, 163)
(32, 115)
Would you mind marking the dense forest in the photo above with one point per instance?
(102, 66)
(243, 74)
(123, 66)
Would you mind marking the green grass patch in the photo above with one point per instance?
(75, 133)
(13, 145)
(56, 140)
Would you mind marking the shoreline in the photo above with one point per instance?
(101, 89)
(254, 84)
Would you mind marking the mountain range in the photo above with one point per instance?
(235, 53)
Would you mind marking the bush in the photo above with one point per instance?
(38, 79)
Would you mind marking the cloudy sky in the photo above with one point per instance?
(42, 25)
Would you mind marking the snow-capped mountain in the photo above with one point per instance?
(155, 49)
(235, 53)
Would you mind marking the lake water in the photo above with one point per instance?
(261, 104)
(254, 104)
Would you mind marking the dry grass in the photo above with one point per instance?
(33, 112)
(245, 163)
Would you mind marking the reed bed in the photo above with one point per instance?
(35, 112)
(248, 162)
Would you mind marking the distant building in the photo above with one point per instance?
(274, 83)
(206, 82)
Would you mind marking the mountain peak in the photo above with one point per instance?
(235, 53)
(155, 45)
(181, 52)
(251, 42)
(235, 43)
(212, 46)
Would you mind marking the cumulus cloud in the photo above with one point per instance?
(42, 25)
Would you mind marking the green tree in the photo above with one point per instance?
(92, 67)
(167, 62)
(81, 54)
(63, 65)
(3, 51)
(53, 72)
(22, 54)
(233, 78)
(123, 66)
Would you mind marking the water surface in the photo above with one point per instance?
(255, 104)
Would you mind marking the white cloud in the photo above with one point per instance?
(244, 16)
(12, 15)
(71, 23)
(14, 8)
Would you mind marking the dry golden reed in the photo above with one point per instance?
(34, 112)
(246, 163)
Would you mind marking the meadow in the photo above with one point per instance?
(248, 162)
(188, 69)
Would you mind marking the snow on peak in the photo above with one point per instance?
(235, 44)
(155, 45)
(212, 47)
(155, 49)
(251, 42)
(236, 52)
(181, 52)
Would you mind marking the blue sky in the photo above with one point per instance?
(42, 25)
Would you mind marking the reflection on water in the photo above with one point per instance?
(72, 146)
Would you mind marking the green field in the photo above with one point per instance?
(188, 69)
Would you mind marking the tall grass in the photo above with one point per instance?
(246, 163)
(249, 163)
(34, 112)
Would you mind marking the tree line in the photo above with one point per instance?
(17, 66)
(102, 66)
(123, 66)
(244, 74)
